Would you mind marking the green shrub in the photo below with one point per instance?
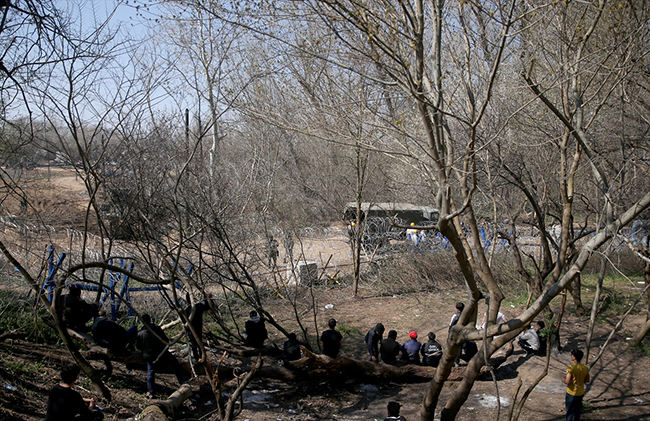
(18, 313)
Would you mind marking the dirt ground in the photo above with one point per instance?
(620, 388)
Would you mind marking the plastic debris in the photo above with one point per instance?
(329, 306)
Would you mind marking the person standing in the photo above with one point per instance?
(154, 352)
(431, 351)
(501, 318)
(454, 319)
(412, 234)
(389, 349)
(272, 252)
(331, 340)
(577, 375)
(373, 340)
(288, 247)
(64, 403)
(195, 314)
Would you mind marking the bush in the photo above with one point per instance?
(18, 313)
(412, 272)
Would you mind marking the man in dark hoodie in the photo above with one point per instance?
(256, 332)
(195, 313)
(373, 340)
(77, 312)
(389, 349)
(393, 412)
(291, 350)
(65, 403)
(150, 342)
(109, 334)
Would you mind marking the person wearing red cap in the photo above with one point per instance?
(411, 349)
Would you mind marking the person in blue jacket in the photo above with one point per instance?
(411, 349)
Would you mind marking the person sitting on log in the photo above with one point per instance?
(468, 350)
(373, 340)
(411, 349)
(154, 352)
(331, 340)
(291, 350)
(255, 333)
(529, 341)
(77, 312)
(393, 412)
(195, 313)
(109, 334)
(64, 403)
(389, 349)
(431, 351)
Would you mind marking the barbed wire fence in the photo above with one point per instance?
(327, 249)
(40, 248)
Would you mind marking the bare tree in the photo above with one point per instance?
(451, 63)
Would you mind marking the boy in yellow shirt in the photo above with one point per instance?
(576, 376)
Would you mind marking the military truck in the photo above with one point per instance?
(406, 212)
(381, 218)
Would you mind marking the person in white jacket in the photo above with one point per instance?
(529, 341)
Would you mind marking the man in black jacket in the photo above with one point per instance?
(64, 403)
(373, 340)
(291, 350)
(109, 334)
(256, 332)
(195, 313)
(152, 341)
(331, 340)
(389, 349)
(77, 312)
(431, 351)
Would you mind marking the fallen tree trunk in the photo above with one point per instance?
(317, 367)
(641, 333)
(12, 334)
(164, 410)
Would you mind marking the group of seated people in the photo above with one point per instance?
(410, 352)
(151, 339)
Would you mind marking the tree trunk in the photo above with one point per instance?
(575, 288)
(594, 307)
(647, 282)
(164, 410)
(640, 334)
(319, 367)
(12, 334)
